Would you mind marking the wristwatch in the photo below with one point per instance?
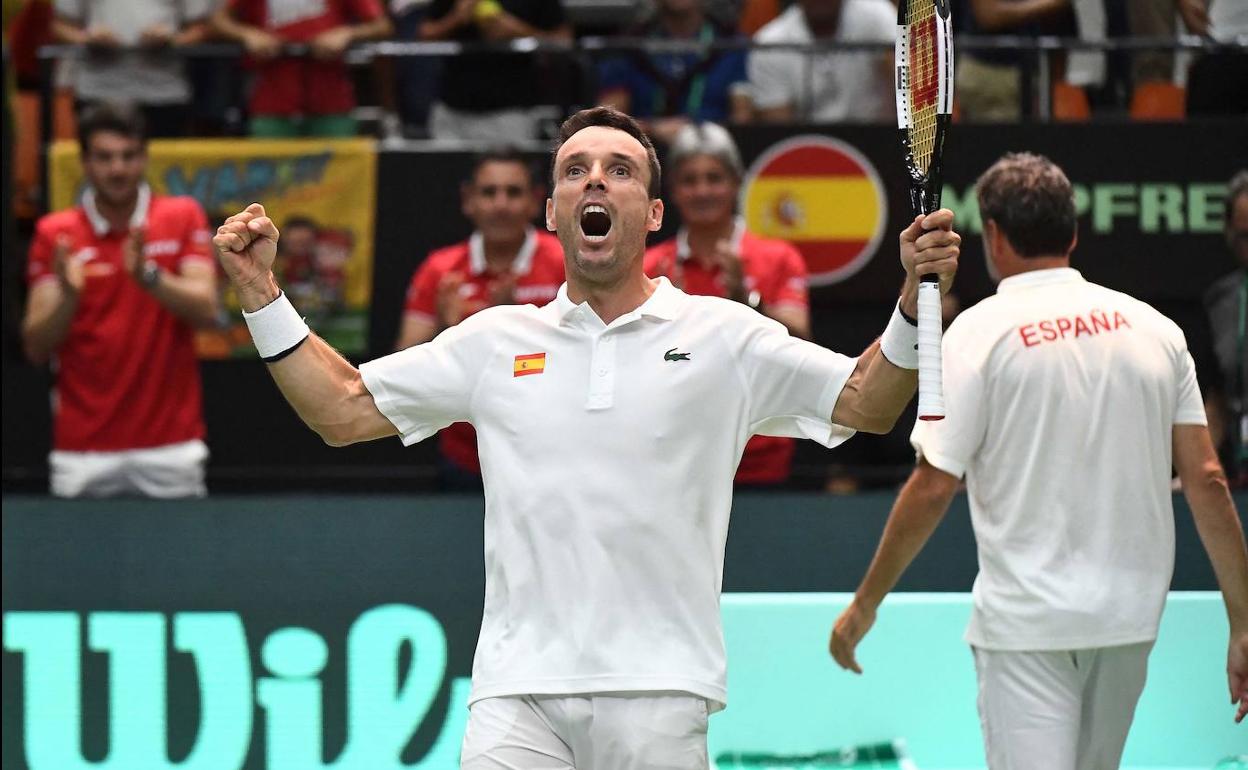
(150, 275)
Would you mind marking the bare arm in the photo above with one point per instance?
(878, 390)
(51, 305)
(741, 107)
(326, 391)
(66, 31)
(445, 27)
(415, 330)
(795, 319)
(1213, 511)
(193, 33)
(376, 29)
(225, 25)
(190, 295)
(1216, 414)
(329, 394)
(50, 311)
(260, 43)
(505, 26)
(996, 15)
(333, 43)
(70, 31)
(918, 510)
(875, 394)
(785, 113)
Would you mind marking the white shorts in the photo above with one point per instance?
(173, 470)
(1059, 710)
(618, 731)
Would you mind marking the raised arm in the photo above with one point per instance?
(879, 388)
(919, 508)
(1213, 510)
(326, 391)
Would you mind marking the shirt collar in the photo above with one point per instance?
(100, 225)
(682, 239)
(662, 304)
(519, 266)
(1033, 278)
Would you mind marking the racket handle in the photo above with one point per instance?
(931, 388)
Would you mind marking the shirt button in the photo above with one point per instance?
(602, 372)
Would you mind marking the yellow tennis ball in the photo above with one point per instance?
(487, 9)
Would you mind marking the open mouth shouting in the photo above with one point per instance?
(595, 223)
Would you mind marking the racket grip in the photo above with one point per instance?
(931, 388)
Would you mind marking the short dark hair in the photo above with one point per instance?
(503, 153)
(609, 117)
(111, 117)
(1032, 201)
(299, 220)
(1236, 187)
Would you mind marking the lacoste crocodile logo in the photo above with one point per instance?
(672, 355)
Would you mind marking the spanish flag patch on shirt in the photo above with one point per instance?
(534, 363)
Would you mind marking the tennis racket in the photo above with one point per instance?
(924, 72)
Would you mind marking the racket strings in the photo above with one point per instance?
(924, 81)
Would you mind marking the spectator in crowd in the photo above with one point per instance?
(667, 90)
(117, 284)
(490, 97)
(414, 78)
(132, 54)
(825, 87)
(505, 261)
(1156, 18)
(1226, 302)
(308, 95)
(989, 84)
(787, 86)
(1215, 84)
(713, 254)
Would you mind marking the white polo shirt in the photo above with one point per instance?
(608, 453)
(1061, 396)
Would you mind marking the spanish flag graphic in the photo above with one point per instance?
(824, 197)
(533, 363)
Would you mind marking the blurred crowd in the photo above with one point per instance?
(684, 60)
(127, 259)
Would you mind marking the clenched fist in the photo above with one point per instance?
(246, 245)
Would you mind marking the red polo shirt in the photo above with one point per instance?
(288, 86)
(775, 270)
(126, 376)
(538, 268)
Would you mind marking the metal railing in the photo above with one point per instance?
(1035, 54)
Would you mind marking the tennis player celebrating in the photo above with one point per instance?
(610, 424)
(1066, 404)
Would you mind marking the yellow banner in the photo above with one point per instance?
(320, 192)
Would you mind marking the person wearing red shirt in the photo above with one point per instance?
(117, 284)
(714, 255)
(505, 261)
(301, 95)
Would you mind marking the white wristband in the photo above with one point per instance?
(900, 341)
(276, 327)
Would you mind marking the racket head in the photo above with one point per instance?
(923, 57)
